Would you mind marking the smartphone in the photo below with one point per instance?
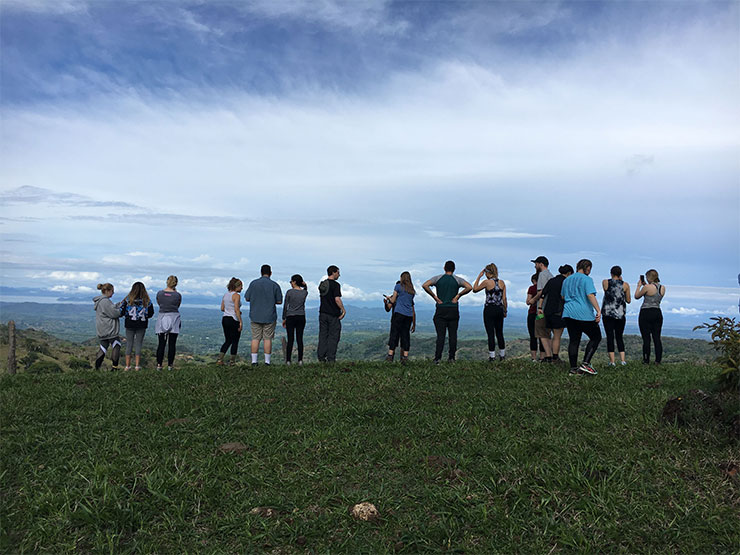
(642, 278)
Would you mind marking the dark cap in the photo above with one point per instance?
(541, 259)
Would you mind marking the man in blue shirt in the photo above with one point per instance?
(262, 295)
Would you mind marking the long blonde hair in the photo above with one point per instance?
(138, 291)
(492, 270)
(407, 284)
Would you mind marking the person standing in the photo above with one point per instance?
(541, 331)
(137, 309)
(534, 343)
(107, 326)
(614, 311)
(231, 320)
(447, 313)
(294, 316)
(331, 313)
(403, 320)
(168, 324)
(494, 310)
(579, 294)
(553, 308)
(650, 319)
(263, 295)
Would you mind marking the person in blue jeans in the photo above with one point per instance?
(403, 321)
(581, 314)
(449, 289)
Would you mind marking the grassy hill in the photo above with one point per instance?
(459, 457)
(34, 346)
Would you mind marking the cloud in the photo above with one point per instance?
(637, 163)
(502, 235)
(687, 311)
(74, 276)
(39, 195)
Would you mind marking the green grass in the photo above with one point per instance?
(473, 457)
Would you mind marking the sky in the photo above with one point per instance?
(204, 139)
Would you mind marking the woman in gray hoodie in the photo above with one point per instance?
(107, 326)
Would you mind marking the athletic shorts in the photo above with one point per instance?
(263, 331)
(541, 331)
(554, 321)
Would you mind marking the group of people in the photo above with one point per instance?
(566, 301)
(137, 309)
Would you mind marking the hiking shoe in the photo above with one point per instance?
(586, 368)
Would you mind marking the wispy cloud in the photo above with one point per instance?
(39, 195)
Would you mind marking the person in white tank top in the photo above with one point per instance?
(232, 320)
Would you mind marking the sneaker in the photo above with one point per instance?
(501, 358)
(451, 359)
(300, 363)
(159, 368)
(623, 363)
(534, 360)
(404, 360)
(574, 371)
(255, 364)
(170, 368)
(389, 358)
(611, 364)
(287, 363)
(491, 359)
(137, 368)
(437, 361)
(586, 368)
(127, 368)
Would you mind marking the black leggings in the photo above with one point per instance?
(446, 320)
(493, 320)
(163, 339)
(575, 329)
(112, 345)
(651, 322)
(614, 328)
(231, 333)
(400, 330)
(295, 325)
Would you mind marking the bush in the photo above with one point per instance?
(44, 367)
(76, 363)
(29, 359)
(726, 338)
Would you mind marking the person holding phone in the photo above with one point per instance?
(650, 319)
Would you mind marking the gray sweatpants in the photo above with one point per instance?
(134, 340)
(330, 329)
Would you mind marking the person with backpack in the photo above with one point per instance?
(294, 316)
(614, 311)
(403, 320)
(494, 310)
(552, 308)
(331, 313)
(107, 326)
(450, 288)
(168, 323)
(137, 309)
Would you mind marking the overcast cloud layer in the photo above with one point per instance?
(141, 139)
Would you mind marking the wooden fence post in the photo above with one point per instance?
(11, 347)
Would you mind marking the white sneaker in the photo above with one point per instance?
(623, 363)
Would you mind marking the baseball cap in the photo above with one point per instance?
(542, 260)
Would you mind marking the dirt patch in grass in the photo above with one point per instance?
(235, 447)
(264, 512)
(175, 421)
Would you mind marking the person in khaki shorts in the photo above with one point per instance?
(541, 331)
(263, 295)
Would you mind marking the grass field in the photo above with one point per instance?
(464, 457)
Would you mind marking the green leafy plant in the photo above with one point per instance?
(44, 367)
(725, 334)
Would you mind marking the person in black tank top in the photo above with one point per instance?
(494, 310)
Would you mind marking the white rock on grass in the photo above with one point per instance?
(365, 511)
